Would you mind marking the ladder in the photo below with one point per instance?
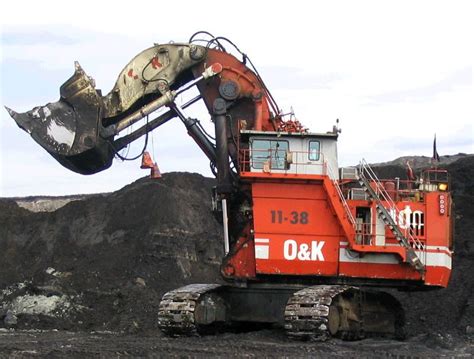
(376, 192)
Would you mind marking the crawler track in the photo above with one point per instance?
(350, 313)
(176, 315)
(308, 310)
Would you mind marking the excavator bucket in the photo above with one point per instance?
(69, 128)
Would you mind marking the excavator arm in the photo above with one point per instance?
(81, 129)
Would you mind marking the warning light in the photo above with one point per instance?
(442, 204)
(442, 186)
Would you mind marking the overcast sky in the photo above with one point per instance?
(393, 72)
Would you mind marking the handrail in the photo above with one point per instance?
(334, 180)
(413, 240)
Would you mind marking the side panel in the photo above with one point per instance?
(438, 238)
(296, 232)
(373, 265)
(438, 219)
(428, 222)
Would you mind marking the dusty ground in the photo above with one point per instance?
(263, 343)
(86, 279)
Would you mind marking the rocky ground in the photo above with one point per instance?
(263, 343)
(85, 277)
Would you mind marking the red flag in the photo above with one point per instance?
(435, 152)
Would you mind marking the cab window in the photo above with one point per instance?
(269, 151)
(314, 150)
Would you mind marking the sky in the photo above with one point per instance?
(393, 72)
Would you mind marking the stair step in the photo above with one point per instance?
(409, 243)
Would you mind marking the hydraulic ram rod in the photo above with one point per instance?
(167, 98)
(150, 126)
(225, 224)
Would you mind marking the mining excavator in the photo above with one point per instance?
(307, 245)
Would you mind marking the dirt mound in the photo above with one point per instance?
(418, 162)
(108, 258)
(103, 262)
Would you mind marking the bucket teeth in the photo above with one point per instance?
(69, 128)
(20, 119)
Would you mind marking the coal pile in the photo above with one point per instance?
(103, 262)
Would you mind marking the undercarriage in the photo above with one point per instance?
(313, 313)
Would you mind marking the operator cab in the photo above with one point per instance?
(291, 153)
